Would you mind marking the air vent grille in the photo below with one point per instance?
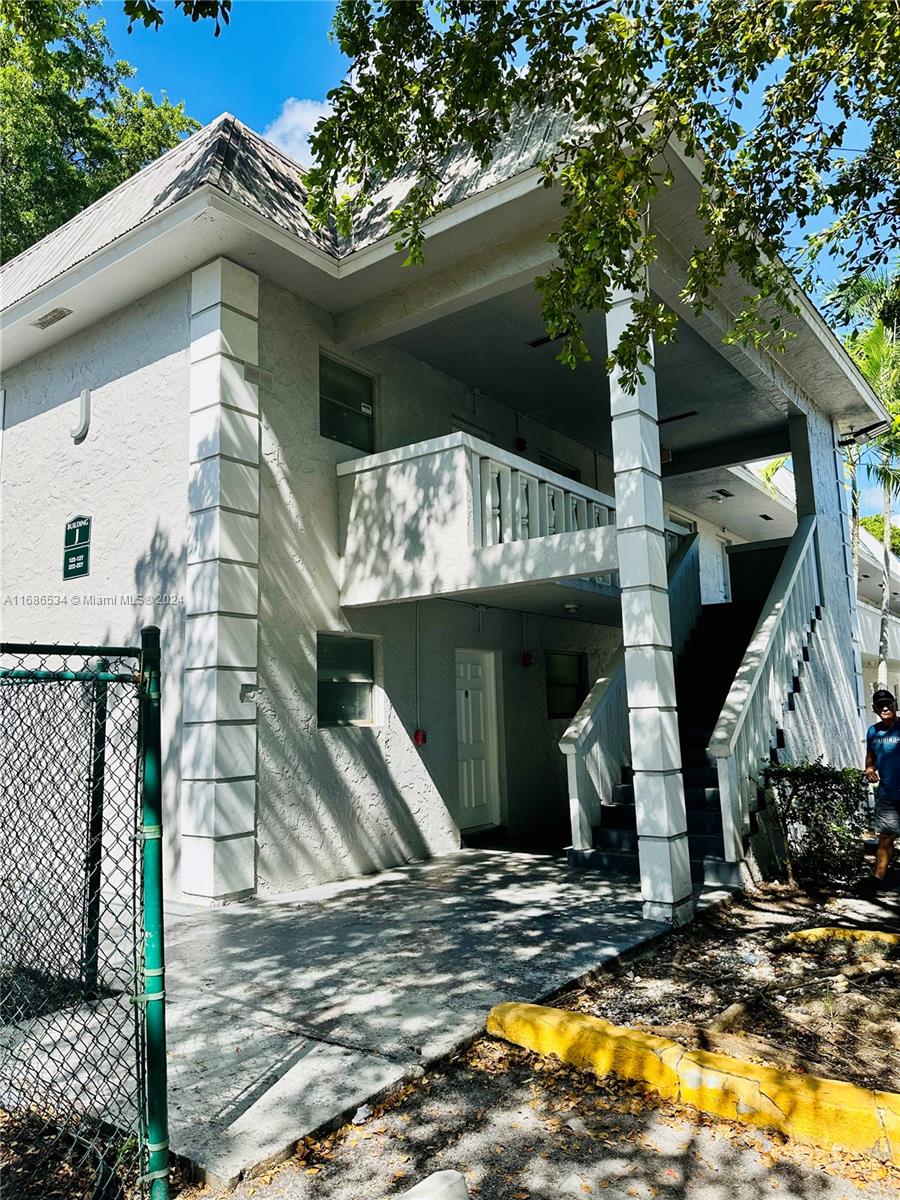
(51, 317)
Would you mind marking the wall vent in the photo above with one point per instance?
(51, 317)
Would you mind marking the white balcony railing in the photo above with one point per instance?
(456, 514)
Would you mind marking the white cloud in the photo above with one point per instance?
(291, 128)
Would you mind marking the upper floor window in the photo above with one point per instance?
(567, 683)
(346, 405)
(345, 679)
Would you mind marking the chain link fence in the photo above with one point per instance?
(82, 1037)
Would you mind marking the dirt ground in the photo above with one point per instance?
(524, 1128)
(830, 1009)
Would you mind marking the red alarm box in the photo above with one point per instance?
(420, 737)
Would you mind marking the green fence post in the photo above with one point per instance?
(154, 948)
(94, 857)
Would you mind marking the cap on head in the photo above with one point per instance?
(883, 699)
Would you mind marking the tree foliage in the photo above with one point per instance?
(70, 127)
(875, 525)
(817, 151)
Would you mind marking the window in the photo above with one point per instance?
(345, 677)
(346, 405)
(567, 683)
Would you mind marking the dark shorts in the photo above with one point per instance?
(887, 815)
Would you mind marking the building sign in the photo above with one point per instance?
(77, 548)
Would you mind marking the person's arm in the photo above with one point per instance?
(871, 769)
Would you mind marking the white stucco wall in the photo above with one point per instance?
(129, 474)
(341, 801)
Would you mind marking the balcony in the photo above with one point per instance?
(456, 516)
(869, 630)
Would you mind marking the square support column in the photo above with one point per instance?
(649, 666)
(218, 760)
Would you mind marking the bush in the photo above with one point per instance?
(822, 813)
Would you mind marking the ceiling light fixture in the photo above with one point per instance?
(571, 608)
(546, 339)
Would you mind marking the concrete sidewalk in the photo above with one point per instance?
(284, 1015)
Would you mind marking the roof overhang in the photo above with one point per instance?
(207, 223)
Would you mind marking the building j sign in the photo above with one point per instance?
(77, 548)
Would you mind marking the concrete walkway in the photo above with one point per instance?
(284, 1015)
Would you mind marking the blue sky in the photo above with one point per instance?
(271, 67)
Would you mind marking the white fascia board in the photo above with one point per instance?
(504, 191)
(810, 315)
(49, 294)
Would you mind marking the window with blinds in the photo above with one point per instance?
(567, 683)
(345, 678)
(346, 405)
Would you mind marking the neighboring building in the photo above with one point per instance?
(404, 542)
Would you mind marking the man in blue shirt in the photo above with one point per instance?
(883, 768)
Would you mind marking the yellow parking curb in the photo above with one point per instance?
(833, 933)
(822, 1112)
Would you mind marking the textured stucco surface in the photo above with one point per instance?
(129, 474)
(337, 802)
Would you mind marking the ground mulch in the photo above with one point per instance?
(732, 983)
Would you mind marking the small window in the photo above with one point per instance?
(346, 405)
(345, 676)
(567, 683)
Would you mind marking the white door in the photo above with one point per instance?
(476, 739)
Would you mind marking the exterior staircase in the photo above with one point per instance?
(704, 672)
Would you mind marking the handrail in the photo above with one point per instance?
(581, 724)
(597, 742)
(734, 714)
(748, 725)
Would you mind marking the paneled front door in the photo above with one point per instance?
(476, 733)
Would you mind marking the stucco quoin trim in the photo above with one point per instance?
(218, 763)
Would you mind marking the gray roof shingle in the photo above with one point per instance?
(230, 157)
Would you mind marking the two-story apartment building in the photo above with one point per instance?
(398, 553)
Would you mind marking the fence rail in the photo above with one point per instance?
(82, 1023)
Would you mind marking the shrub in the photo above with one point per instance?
(822, 813)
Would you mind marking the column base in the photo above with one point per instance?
(679, 913)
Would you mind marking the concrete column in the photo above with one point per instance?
(218, 764)
(647, 637)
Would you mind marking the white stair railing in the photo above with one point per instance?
(597, 743)
(747, 728)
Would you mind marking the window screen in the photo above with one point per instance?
(566, 683)
(345, 677)
(346, 406)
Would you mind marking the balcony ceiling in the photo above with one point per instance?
(486, 346)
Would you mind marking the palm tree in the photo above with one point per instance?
(873, 297)
(877, 354)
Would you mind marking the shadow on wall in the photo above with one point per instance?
(160, 572)
(344, 801)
